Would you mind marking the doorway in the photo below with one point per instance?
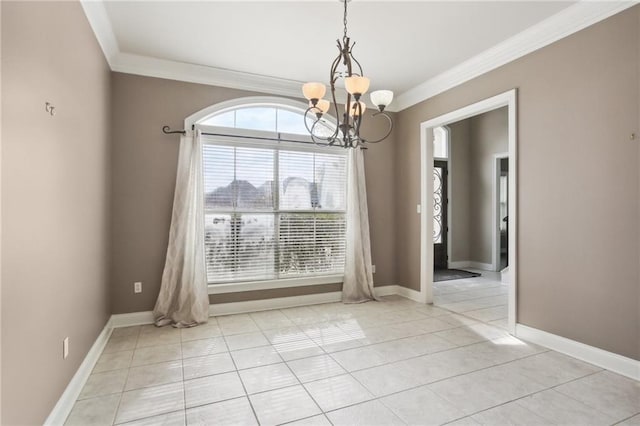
(428, 248)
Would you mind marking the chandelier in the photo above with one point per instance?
(347, 131)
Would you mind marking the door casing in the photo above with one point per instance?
(508, 99)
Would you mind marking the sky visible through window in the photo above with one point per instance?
(261, 118)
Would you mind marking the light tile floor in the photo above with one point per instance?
(483, 298)
(378, 363)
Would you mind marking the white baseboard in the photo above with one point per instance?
(388, 290)
(146, 317)
(276, 303)
(65, 404)
(471, 264)
(596, 356)
(505, 278)
(481, 266)
(410, 293)
(133, 318)
(385, 290)
(460, 264)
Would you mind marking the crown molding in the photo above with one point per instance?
(192, 73)
(568, 21)
(201, 74)
(101, 25)
(564, 23)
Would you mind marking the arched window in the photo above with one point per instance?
(274, 202)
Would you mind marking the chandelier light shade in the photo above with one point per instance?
(356, 86)
(357, 109)
(322, 106)
(314, 91)
(381, 98)
(347, 131)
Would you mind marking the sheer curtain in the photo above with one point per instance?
(358, 274)
(183, 300)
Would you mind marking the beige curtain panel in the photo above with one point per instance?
(358, 274)
(183, 300)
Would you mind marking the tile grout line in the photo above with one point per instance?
(526, 396)
(184, 388)
(305, 389)
(244, 388)
(440, 296)
(115, 415)
(446, 378)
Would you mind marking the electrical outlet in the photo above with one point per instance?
(65, 348)
(373, 269)
(419, 209)
(137, 287)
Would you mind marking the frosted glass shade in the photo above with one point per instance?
(355, 112)
(322, 106)
(381, 98)
(356, 85)
(313, 90)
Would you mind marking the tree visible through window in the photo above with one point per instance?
(271, 211)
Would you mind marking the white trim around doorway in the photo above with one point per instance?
(495, 244)
(507, 99)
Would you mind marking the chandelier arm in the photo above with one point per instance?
(306, 124)
(385, 115)
(332, 78)
(355, 60)
(314, 137)
(320, 141)
(357, 122)
(346, 125)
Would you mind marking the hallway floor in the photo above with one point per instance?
(483, 298)
(378, 363)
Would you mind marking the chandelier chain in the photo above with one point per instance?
(345, 19)
(346, 133)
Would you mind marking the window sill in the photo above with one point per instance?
(273, 284)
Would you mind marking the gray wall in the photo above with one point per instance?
(474, 142)
(144, 170)
(489, 136)
(459, 234)
(578, 183)
(54, 202)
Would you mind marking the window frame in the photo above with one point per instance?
(251, 139)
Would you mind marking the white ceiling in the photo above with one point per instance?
(416, 48)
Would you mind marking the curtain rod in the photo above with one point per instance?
(167, 131)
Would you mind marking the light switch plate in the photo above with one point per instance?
(65, 348)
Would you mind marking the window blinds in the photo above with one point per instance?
(273, 213)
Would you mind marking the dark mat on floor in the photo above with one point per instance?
(452, 274)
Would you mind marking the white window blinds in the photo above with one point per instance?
(272, 212)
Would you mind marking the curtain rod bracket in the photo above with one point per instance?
(167, 131)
